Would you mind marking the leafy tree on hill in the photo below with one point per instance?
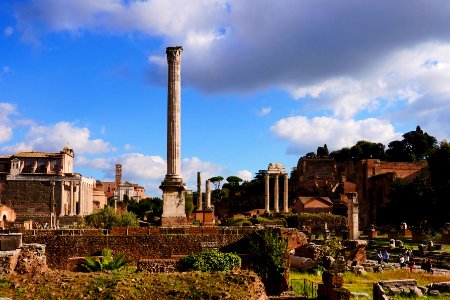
(439, 163)
(234, 180)
(415, 146)
(323, 151)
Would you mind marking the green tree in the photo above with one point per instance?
(439, 163)
(322, 151)
(216, 180)
(108, 218)
(188, 204)
(234, 180)
(269, 253)
(415, 146)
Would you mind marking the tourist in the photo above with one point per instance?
(386, 256)
(411, 265)
(428, 266)
(402, 262)
(379, 257)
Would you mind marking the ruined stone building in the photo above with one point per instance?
(370, 178)
(43, 187)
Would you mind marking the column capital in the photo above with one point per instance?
(174, 54)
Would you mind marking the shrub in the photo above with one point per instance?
(211, 260)
(269, 253)
(238, 222)
(108, 218)
(106, 262)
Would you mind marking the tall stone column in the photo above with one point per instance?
(267, 192)
(71, 200)
(173, 187)
(276, 194)
(353, 216)
(199, 191)
(62, 199)
(286, 193)
(174, 113)
(208, 194)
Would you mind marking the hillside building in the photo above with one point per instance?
(43, 187)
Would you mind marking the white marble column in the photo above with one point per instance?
(62, 199)
(267, 192)
(174, 113)
(208, 195)
(71, 200)
(276, 194)
(286, 193)
(199, 191)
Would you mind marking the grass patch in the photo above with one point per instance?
(128, 284)
(364, 283)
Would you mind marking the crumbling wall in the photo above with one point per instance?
(29, 199)
(60, 248)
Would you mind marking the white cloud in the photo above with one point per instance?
(150, 170)
(190, 167)
(306, 134)
(264, 111)
(245, 175)
(136, 165)
(5, 133)
(55, 137)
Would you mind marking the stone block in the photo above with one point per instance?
(335, 280)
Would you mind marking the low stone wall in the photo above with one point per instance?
(61, 248)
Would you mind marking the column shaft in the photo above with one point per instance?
(267, 192)
(174, 112)
(286, 193)
(208, 195)
(62, 199)
(276, 194)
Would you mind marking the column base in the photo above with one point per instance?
(173, 221)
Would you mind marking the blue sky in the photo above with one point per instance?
(262, 81)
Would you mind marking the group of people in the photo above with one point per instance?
(383, 257)
(427, 266)
(407, 259)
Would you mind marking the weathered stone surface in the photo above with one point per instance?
(415, 292)
(157, 265)
(301, 263)
(310, 250)
(60, 248)
(335, 280)
(32, 259)
(356, 295)
(442, 287)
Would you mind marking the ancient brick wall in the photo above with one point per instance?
(28, 199)
(137, 247)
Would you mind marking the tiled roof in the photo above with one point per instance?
(37, 154)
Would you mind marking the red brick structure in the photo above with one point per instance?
(370, 178)
(313, 205)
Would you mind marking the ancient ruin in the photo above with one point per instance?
(276, 169)
(173, 187)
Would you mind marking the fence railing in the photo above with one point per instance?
(304, 287)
